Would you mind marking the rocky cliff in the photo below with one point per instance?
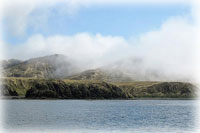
(71, 89)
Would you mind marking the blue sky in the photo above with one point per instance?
(94, 35)
(126, 21)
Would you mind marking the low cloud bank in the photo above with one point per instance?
(168, 51)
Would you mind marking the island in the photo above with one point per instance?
(39, 78)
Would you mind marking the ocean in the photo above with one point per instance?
(95, 116)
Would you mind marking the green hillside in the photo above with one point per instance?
(53, 66)
(82, 89)
(101, 75)
(56, 76)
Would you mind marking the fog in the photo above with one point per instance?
(166, 53)
(163, 54)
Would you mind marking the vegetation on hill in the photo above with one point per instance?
(40, 88)
(55, 76)
(158, 89)
(80, 89)
(101, 75)
(54, 66)
(9, 63)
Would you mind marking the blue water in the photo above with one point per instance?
(99, 115)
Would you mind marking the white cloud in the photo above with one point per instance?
(82, 47)
(170, 49)
(18, 13)
(1, 42)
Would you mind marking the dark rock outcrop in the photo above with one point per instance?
(72, 89)
(60, 89)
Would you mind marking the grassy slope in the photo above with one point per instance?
(39, 88)
(158, 89)
(95, 89)
(100, 74)
(53, 66)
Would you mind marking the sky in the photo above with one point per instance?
(163, 33)
(96, 33)
(114, 20)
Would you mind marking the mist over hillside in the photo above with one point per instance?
(139, 69)
(60, 66)
(165, 53)
(9, 63)
(128, 54)
(53, 66)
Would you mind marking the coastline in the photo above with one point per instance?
(142, 98)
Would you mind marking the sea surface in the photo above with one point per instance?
(95, 116)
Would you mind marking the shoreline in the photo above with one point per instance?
(142, 98)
